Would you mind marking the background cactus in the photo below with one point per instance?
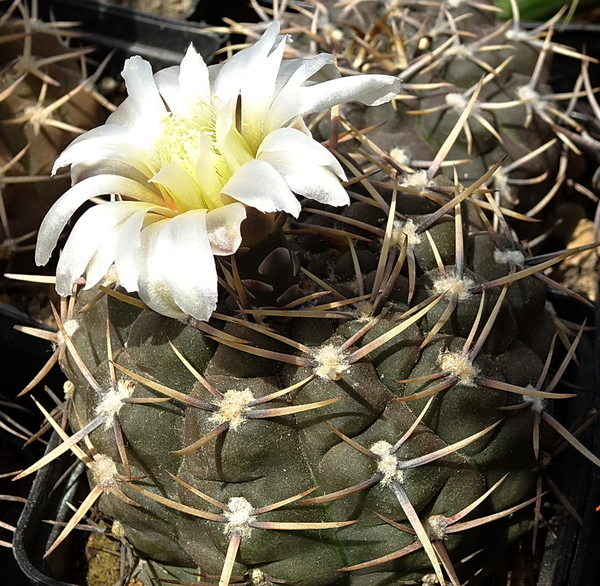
(456, 59)
(371, 401)
(46, 100)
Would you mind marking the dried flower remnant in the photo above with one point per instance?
(185, 156)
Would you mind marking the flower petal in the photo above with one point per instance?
(294, 73)
(142, 90)
(308, 179)
(128, 244)
(59, 214)
(83, 147)
(295, 101)
(167, 83)
(243, 65)
(152, 288)
(223, 228)
(259, 185)
(92, 232)
(180, 185)
(184, 258)
(256, 95)
(230, 142)
(193, 77)
(301, 146)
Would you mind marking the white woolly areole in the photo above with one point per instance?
(400, 156)
(113, 401)
(258, 577)
(505, 257)
(69, 390)
(418, 179)
(404, 229)
(330, 362)
(459, 366)
(538, 404)
(454, 286)
(388, 463)
(436, 527)
(104, 470)
(527, 94)
(232, 407)
(70, 326)
(456, 101)
(238, 517)
(430, 580)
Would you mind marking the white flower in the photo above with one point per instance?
(184, 156)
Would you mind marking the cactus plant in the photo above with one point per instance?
(366, 396)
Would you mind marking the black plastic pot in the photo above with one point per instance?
(48, 501)
(160, 40)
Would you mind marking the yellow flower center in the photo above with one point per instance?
(193, 161)
(181, 140)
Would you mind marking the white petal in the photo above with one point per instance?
(307, 179)
(230, 142)
(82, 148)
(152, 288)
(181, 186)
(223, 227)
(257, 94)
(167, 82)
(187, 264)
(142, 89)
(301, 146)
(193, 77)
(236, 71)
(368, 89)
(128, 244)
(59, 214)
(96, 227)
(118, 164)
(294, 73)
(126, 115)
(97, 150)
(258, 185)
